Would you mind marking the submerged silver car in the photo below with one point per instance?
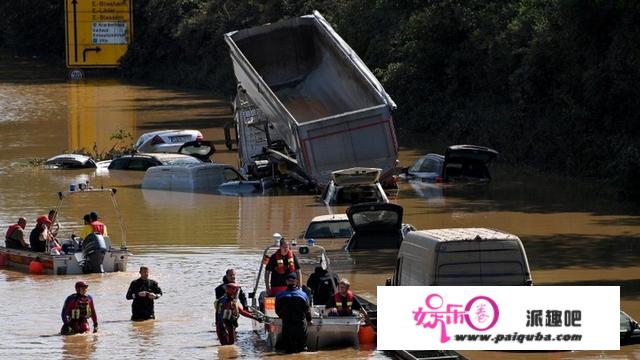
(459, 163)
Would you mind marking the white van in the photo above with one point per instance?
(463, 256)
(204, 177)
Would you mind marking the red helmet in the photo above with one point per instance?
(43, 219)
(80, 284)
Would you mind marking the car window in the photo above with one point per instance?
(375, 218)
(140, 164)
(119, 164)
(430, 165)
(416, 167)
(231, 175)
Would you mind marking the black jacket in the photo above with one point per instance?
(142, 308)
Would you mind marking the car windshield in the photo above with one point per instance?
(329, 230)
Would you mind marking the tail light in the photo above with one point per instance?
(199, 137)
(157, 140)
(439, 179)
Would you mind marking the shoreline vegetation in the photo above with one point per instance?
(551, 84)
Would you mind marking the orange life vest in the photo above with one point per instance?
(344, 307)
(280, 266)
(98, 227)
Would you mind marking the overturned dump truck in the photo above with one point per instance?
(306, 104)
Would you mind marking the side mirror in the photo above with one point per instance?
(252, 295)
(304, 250)
(387, 282)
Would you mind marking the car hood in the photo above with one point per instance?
(356, 176)
(199, 149)
(379, 217)
(457, 153)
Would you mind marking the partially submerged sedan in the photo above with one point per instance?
(168, 141)
(143, 161)
(70, 161)
(459, 163)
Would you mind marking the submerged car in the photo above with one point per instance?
(629, 329)
(141, 162)
(202, 177)
(353, 186)
(329, 227)
(376, 226)
(167, 141)
(459, 163)
(70, 161)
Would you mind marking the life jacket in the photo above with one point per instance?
(344, 307)
(11, 230)
(281, 267)
(98, 227)
(227, 309)
(81, 309)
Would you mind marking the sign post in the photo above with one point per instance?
(98, 32)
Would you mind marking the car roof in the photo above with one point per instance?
(75, 157)
(160, 156)
(168, 131)
(335, 217)
(460, 234)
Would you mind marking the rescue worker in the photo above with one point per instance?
(143, 291)
(293, 308)
(282, 263)
(77, 310)
(227, 311)
(322, 285)
(40, 235)
(14, 238)
(230, 277)
(343, 302)
(95, 226)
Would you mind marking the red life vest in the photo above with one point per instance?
(280, 266)
(344, 307)
(98, 227)
(81, 309)
(227, 309)
(11, 230)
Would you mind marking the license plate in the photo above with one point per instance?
(178, 139)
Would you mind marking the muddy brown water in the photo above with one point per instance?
(574, 235)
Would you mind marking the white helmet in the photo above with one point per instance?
(276, 237)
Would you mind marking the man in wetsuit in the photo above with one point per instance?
(77, 310)
(322, 284)
(293, 308)
(143, 291)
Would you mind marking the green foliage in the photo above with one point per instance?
(549, 83)
(123, 146)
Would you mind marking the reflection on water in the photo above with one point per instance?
(572, 234)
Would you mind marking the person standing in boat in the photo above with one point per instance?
(230, 277)
(143, 291)
(77, 310)
(94, 226)
(40, 235)
(282, 263)
(292, 306)
(322, 285)
(14, 238)
(227, 311)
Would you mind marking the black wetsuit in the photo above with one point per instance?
(220, 292)
(142, 308)
(34, 240)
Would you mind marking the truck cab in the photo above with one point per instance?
(461, 256)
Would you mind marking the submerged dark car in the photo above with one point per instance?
(193, 152)
(69, 161)
(629, 329)
(459, 163)
(376, 226)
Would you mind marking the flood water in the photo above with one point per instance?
(573, 232)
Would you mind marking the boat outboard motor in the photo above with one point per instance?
(94, 248)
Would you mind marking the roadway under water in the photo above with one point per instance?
(573, 233)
